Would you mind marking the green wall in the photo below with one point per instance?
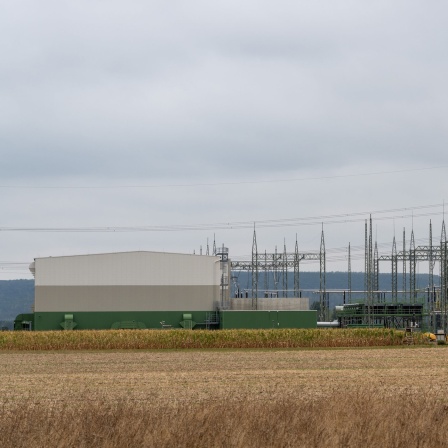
(24, 319)
(105, 320)
(268, 319)
(152, 319)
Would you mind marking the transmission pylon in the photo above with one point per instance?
(394, 271)
(349, 270)
(266, 273)
(412, 268)
(443, 277)
(275, 266)
(254, 272)
(404, 265)
(376, 271)
(285, 271)
(296, 270)
(431, 298)
(366, 261)
(369, 274)
(324, 305)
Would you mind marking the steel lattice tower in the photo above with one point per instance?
(285, 271)
(431, 297)
(404, 265)
(324, 305)
(275, 264)
(412, 268)
(254, 272)
(376, 271)
(349, 275)
(296, 270)
(394, 271)
(369, 274)
(366, 262)
(443, 274)
(266, 273)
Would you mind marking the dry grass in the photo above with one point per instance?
(346, 397)
(181, 339)
(357, 419)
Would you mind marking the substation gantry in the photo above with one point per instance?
(435, 296)
(430, 302)
(274, 267)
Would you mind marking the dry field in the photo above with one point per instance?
(331, 397)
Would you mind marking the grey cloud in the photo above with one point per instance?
(178, 90)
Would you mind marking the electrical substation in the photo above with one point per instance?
(400, 306)
(166, 290)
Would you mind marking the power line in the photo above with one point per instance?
(212, 184)
(344, 218)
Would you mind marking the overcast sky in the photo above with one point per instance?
(142, 114)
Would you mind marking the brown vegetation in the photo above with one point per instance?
(346, 397)
(362, 418)
(181, 339)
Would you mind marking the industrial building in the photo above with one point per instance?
(161, 290)
(149, 290)
(166, 290)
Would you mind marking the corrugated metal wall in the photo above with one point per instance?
(130, 281)
(128, 268)
(268, 319)
(277, 304)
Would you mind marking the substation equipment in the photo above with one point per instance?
(165, 290)
(409, 307)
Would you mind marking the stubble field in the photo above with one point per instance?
(337, 397)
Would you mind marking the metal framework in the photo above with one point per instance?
(254, 268)
(412, 269)
(394, 271)
(433, 298)
(296, 271)
(397, 315)
(324, 298)
(443, 278)
(436, 298)
(279, 263)
(349, 270)
(404, 265)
